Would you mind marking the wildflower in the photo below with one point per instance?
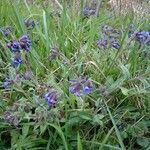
(10, 118)
(17, 60)
(14, 46)
(115, 44)
(6, 31)
(80, 86)
(7, 83)
(28, 74)
(88, 86)
(51, 97)
(25, 43)
(29, 23)
(102, 43)
(107, 29)
(75, 87)
(88, 11)
(142, 36)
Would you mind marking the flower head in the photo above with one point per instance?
(51, 97)
(88, 11)
(6, 30)
(107, 29)
(7, 83)
(28, 74)
(115, 43)
(17, 60)
(25, 43)
(143, 36)
(75, 87)
(80, 86)
(102, 43)
(88, 87)
(14, 46)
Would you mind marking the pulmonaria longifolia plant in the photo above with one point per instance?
(110, 39)
(24, 43)
(51, 96)
(81, 86)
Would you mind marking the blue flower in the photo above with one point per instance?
(17, 60)
(51, 97)
(28, 74)
(14, 46)
(142, 36)
(88, 87)
(107, 30)
(25, 43)
(80, 86)
(7, 83)
(115, 44)
(87, 11)
(102, 43)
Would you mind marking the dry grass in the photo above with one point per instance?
(139, 8)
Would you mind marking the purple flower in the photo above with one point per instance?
(25, 43)
(6, 31)
(75, 88)
(28, 74)
(115, 44)
(14, 46)
(51, 97)
(17, 60)
(88, 11)
(107, 29)
(102, 43)
(88, 87)
(80, 86)
(142, 36)
(7, 83)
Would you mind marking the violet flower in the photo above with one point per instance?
(25, 43)
(14, 46)
(88, 11)
(51, 97)
(143, 37)
(88, 87)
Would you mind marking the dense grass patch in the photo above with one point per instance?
(83, 83)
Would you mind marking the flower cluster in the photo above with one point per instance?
(81, 86)
(88, 11)
(10, 115)
(51, 97)
(143, 37)
(6, 30)
(7, 83)
(109, 39)
(24, 43)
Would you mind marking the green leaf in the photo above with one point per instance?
(25, 130)
(124, 91)
(144, 142)
(79, 144)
